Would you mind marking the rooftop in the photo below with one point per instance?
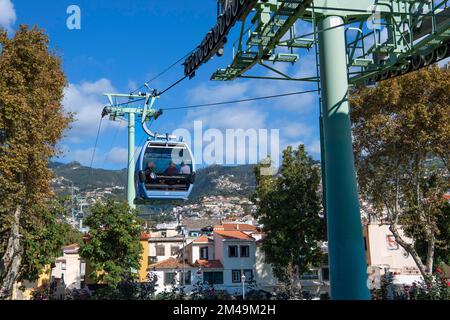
(202, 239)
(236, 226)
(239, 235)
(170, 263)
(209, 264)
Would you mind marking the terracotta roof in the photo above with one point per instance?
(202, 239)
(170, 263)
(235, 226)
(233, 234)
(209, 264)
(145, 236)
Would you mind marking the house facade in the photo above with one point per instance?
(224, 259)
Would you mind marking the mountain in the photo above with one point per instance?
(214, 180)
(86, 178)
(225, 181)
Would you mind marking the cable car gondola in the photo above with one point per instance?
(165, 170)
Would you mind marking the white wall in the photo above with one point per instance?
(380, 254)
(72, 273)
(196, 251)
(264, 277)
(167, 249)
(229, 264)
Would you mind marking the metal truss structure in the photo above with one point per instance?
(404, 35)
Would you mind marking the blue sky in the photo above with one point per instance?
(122, 44)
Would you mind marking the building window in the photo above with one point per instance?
(164, 234)
(169, 278)
(174, 250)
(233, 251)
(160, 250)
(151, 260)
(236, 276)
(248, 275)
(325, 274)
(63, 265)
(187, 277)
(215, 277)
(204, 253)
(245, 251)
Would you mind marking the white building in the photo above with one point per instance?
(384, 254)
(220, 260)
(69, 271)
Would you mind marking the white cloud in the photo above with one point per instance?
(314, 147)
(7, 14)
(115, 157)
(294, 129)
(86, 100)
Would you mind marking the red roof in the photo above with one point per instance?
(233, 235)
(170, 263)
(145, 236)
(209, 264)
(202, 239)
(236, 226)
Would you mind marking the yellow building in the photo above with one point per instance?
(144, 258)
(23, 290)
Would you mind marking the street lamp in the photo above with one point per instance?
(243, 286)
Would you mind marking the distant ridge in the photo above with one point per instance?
(230, 181)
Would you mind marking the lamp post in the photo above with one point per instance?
(243, 286)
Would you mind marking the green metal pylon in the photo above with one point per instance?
(131, 192)
(348, 276)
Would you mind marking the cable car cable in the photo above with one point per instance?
(95, 146)
(240, 101)
(171, 86)
(164, 71)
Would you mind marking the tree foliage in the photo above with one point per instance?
(401, 133)
(113, 249)
(289, 207)
(32, 121)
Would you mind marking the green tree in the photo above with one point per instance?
(32, 121)
(113, 249)
(289, 207)
(401, 131)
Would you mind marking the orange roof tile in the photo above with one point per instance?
(236, 226)
(202, 239)
(209, 264)
(233, 234)
(170, 263)
(145, 236)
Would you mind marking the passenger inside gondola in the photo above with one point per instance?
(185, 169)
(149, 170)
(167, 169)
(171, 170)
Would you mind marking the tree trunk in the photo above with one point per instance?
(11, 260)
(430, 252)
(410, 249)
